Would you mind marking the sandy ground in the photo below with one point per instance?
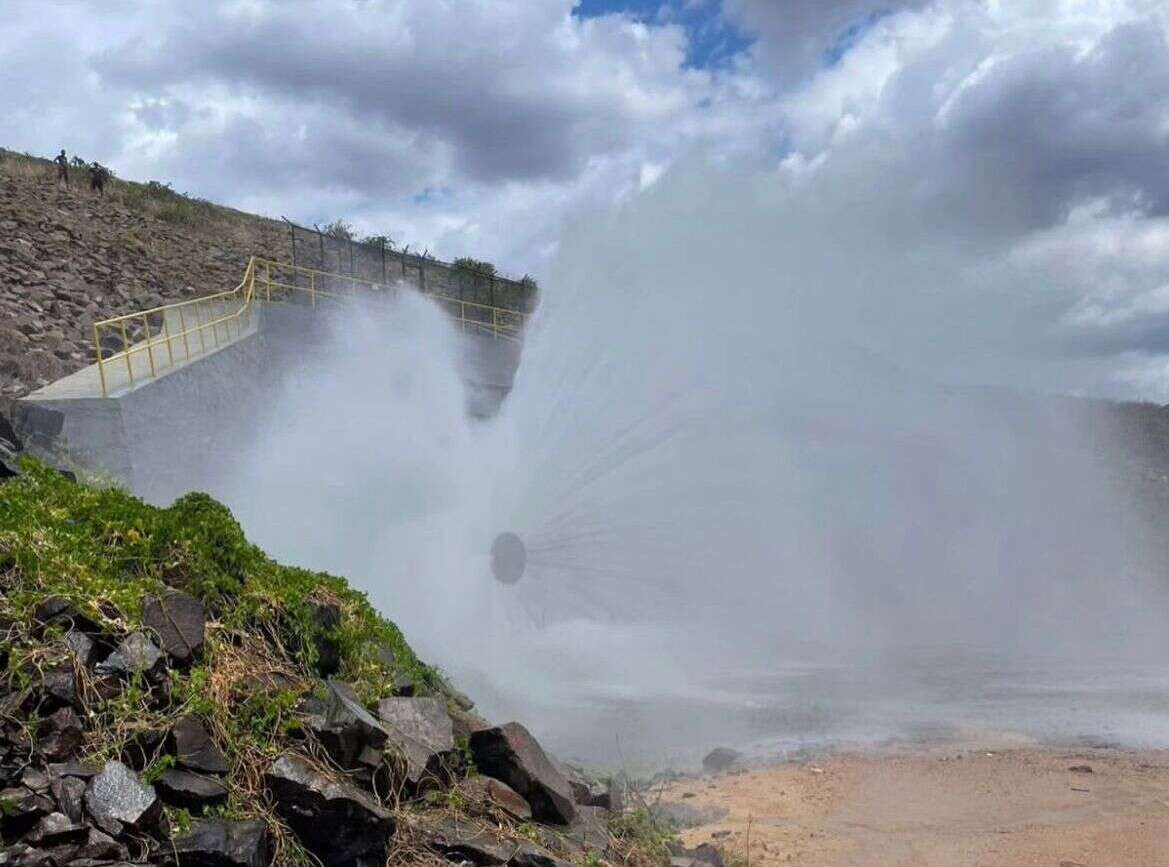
(938, 807)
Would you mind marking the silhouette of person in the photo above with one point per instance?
(98, 175)
(62, 168)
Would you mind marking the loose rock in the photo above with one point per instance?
(459, 841)
(420, 735)
(510, 753)
(179, 620)
(184, 789)
(117, 800)
(60, 735)
(338, 823)
(136, 654)
(194, 749)
(720, 759)
(219, 843)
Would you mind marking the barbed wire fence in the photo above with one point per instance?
(379, 260)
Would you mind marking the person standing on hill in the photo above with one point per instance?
(98, 175)
(62, 169)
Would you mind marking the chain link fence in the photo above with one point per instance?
(378, 262)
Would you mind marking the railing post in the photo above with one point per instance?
(166, 330)
(149, 344)
(101, 370)
(268, 278)
(312, 287)
(126, 350)
(183, 328)
(495, 322)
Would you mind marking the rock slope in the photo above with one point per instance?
(170, 695)
(68, 257)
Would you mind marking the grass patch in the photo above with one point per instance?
(105, 551)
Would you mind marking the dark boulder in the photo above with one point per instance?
(180, 622)
(219, 843)
(531, 855)
(59, 684)
(60, 735)
(56, 829)
(23, 808)
(118, 801)
(179, 788)
(99, 847)
(421, 737)
(720, 759)
(461, 841)
(498, 794)
(194, 748)
(338, 823)
(349, 733)
(590, 827)
(23, 855)
(510, 753)
(87, 651)
(59, 611)
(69, 793)
(136, 654)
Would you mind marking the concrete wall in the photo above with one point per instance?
(168, 431)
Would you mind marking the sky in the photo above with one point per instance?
(1018, 149)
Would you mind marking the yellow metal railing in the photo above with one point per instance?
(152, 341)
(275, 280)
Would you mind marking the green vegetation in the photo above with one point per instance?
(474, 266)
(642, 839)
(105, 551)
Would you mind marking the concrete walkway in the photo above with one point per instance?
(124, 374)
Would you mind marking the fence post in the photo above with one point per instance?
(383, 260)
(126, 350)
(101, 370)
(312, 287)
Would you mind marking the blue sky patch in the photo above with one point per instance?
(713, 41)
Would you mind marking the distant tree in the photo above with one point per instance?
(379, 241)
(339, 229)
(474, 266)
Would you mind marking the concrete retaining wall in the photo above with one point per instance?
(158, 437)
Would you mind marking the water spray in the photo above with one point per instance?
(509, 558)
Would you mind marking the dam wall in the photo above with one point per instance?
(156, 437)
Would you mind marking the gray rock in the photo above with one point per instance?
(219, 843)
(531, 855)
(117, 800)
(180, 622)
(59, 684)
(461, 841)
(185, 789)
(56, 829)
(591, 827)
(58, 611)
(500, 794)
(194, 748)
(510, 753)
(720, 759)
(69, 793)
(100, 847)
(136, 654)
(421, 737)
(60, 735)
(346, 729)
(23, 808)
(338, 823)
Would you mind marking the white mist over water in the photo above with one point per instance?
(760, 496)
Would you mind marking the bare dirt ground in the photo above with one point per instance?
(1018, 805)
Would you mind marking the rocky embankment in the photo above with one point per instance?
(170, 695)
(69, 257)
